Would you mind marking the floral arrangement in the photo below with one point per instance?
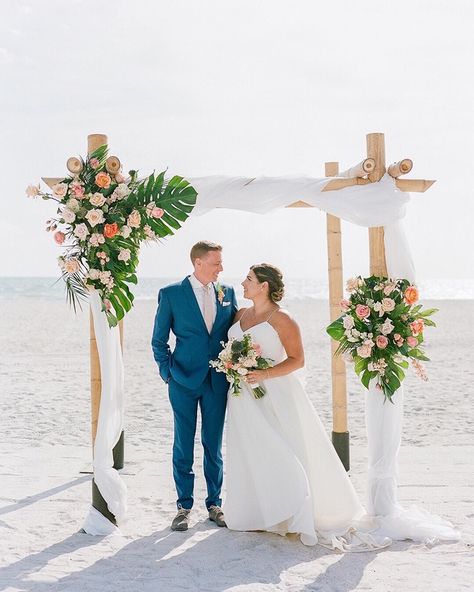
(381, 330)
(100, 222)
(237, 358)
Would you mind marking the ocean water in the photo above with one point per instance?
(295, 288)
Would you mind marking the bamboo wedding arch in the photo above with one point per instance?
(369, 170)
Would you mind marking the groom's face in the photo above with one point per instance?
(208, 267)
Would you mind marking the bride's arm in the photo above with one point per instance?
(290, 336)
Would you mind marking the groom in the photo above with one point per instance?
(199, 312)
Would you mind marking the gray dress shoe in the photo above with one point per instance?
(181, 520)
(217, 515)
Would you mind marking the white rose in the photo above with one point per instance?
(94, 274)
(81, 231)
(242, 371)
(97, 200)
(387, 327)
(124, 255)
(348, 322)
(125, 231)
(95, 217)
(73, 205)
(122, 191)
(68, 216)
(32, 190)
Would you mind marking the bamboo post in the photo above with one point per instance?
(340, 433)
(376, 150)
(94, 141)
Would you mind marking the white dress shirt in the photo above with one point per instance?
(198, 289)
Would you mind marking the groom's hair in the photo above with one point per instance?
(202, 248)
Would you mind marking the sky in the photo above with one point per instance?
(247, 88)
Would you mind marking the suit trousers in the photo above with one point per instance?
(184, 403)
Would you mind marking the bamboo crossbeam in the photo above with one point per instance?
(361, 169)
(402, 167)
(340, 183)
(414, 185)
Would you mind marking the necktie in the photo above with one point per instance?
(208, 310)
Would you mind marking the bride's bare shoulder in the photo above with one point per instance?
(239, 314)
(283, 319)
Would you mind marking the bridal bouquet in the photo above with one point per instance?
(381, 330)
(100, 221)
(237, 358)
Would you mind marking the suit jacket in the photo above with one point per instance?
(179, 312)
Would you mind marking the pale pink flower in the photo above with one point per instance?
(258, 349)
(125, 231)
(419, 370)
(59, 237)
(381, 341)
(68, 215)
(347, 322)
(134, 219)
(60, 189)
(364, 351)
(362, 311)
(119, 178)
(95, 217)
(149, 232)
(389, 288)
(388, 304)
(387, 327)
(353, 284)
(94, 162)
(71, 265)
(157, 213)
(124, 255)
(97, 200)
(81, 231)
(107, 304)
(345, 305)
(32, 190)
(412, 341)
(122, 191)
(77, 189)
(398, 339)
(97, 239)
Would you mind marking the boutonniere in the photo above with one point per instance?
(220, 293)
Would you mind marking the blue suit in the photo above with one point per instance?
(191, 383)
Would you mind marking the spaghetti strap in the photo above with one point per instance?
(272, 313)
(244, 313)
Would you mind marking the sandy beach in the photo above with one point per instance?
(45, 446)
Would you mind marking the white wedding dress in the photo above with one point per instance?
(282, 472)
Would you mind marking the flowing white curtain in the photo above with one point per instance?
(374, 204)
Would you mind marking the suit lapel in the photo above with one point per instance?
(193, 305)
(218, 309)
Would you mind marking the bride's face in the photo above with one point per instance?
(252, 287)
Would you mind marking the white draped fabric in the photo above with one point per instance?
(374, 204)
(110, 424)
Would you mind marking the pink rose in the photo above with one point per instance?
(134, 219)
(59, 237)
(94, 162)
(107, 304)
(381, 341)
(412, 341)
(398, 339)
(417, 327)
(388, 304)
(32, 190)
(258, 349)
(362, 311)
(157, 213)
(71, 265)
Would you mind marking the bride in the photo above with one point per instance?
(283, 474)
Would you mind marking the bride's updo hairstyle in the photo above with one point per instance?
(271, 274)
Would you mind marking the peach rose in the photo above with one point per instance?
(110, 230)
(381, 341)
(71, 265)
(412, 341)
(362, 311)
(134, 219)
(97, 200)
(60, 189)
(417, 327)
(95, 217)
(411, 295)
(59, 237)
(103, 180)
